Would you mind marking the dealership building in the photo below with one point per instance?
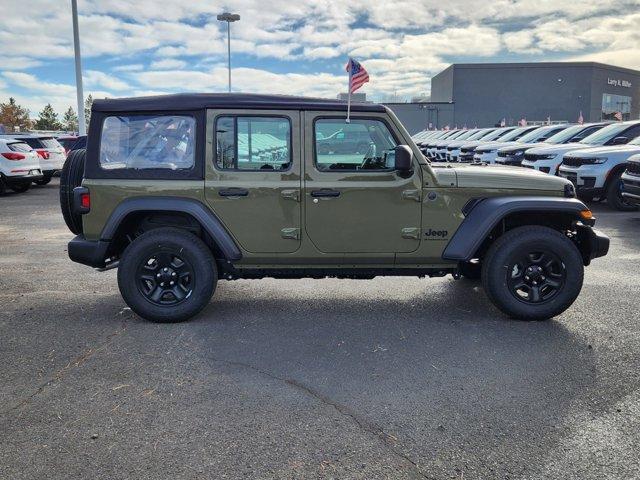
(484, 94)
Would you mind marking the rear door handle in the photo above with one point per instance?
(325, 192)
(233, 192)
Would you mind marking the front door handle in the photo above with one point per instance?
(325, 192)
(233, 192)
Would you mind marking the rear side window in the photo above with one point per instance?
(142, 142)
(19, 147)
(253, 143)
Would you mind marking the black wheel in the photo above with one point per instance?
(3, 186)
(70, 178)
(44, 180)
(614, 195)
(470, 270)
(21, 187)
(167, 275)
(533, 273)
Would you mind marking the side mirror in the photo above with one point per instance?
(620, 141)
(403, 156)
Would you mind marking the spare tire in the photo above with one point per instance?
(70, 178)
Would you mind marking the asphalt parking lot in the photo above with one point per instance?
(388, 378)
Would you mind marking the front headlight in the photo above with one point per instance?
(551, 156)
(517, 153)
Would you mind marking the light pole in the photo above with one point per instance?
(229, 17)
(82, 128)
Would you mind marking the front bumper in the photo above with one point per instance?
(486, 157)
(586, 181)
(592, 243)
(631, 188)
(88, 252)
(509, 161)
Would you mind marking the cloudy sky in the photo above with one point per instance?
(139, 47)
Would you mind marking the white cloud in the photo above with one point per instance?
(401, 43)
(167, 64)
(94, 78)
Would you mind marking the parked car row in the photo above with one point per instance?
(592, 156)
(28, 158)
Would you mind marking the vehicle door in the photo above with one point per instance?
(354, 199)
(253, 177)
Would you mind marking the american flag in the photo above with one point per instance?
(580, 118)
(523, 122)
(358, 76)
(618, 116)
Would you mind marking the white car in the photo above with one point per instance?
(631, 181)
(453, 147)
(428, 146)
(52, 154)
(468, 148)
(488, 152)
(440, 150)
(547, 158)
(514, 154)
(19, 165)
(597, 172)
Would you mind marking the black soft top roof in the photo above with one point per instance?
(197, 101)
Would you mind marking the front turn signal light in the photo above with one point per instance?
(586, 215)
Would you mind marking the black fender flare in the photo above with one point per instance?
(209, 221)
(488, 212)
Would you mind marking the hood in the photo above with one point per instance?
(612, 150)
(557, 149)
(494, 146)
(501, 177)
(518, 146)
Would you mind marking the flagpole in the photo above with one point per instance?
(349, 96)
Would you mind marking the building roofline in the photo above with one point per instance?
(499, 65)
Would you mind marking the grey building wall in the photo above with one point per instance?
(483, 94)
(417, 116)
(442, 86)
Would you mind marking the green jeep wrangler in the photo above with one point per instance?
(179, 191)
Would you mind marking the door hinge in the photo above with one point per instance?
(291, 194)
(292, 233)
(411, 233)
(411, 195)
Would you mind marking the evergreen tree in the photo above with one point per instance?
(87, 110)
(13, 115)
(70, 120)
(48, 119)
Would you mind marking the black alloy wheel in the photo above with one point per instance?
(533, 272)
(165, 278)
(536, 276)
(167, 275)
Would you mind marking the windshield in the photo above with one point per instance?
(480, 134)
(465, 134)
(603, 136)
(566, 134)
(535, 135)
(514, 134)
(497, 134)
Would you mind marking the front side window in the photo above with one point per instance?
(253, 143)
(148, 142)
(361, 144)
